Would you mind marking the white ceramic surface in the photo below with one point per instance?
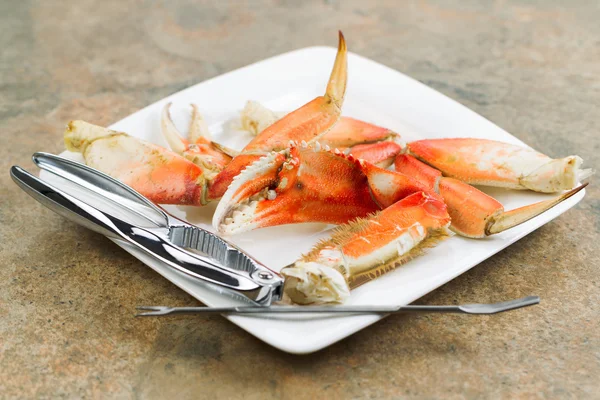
(376, 94)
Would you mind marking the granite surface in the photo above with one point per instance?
(67, 295)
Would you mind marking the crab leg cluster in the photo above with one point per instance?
(307, 183)
(314, 165)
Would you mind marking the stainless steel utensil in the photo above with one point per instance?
(165, 238)
(159, 311)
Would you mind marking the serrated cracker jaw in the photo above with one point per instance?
(237, 209)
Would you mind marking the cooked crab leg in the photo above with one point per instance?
(363, 140)
(365, 249)
(307, 123)
(157, 173)
(199, 148)
(492, 163)
(474, 214)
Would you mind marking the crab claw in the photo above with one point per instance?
(299, 184)
(507, 219)
(307, 183)
(307, 124)
(347, 132)
(199, 149)
(157, 173)
(240, 207)
(315, 118)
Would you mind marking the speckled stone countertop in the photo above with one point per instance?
(67, 295)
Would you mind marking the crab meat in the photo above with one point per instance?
(312, 165)
(365, 249)
(492, 163)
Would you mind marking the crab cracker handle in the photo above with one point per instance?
(146, 240)
(103, 184)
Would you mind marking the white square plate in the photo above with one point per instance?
(375, 94)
